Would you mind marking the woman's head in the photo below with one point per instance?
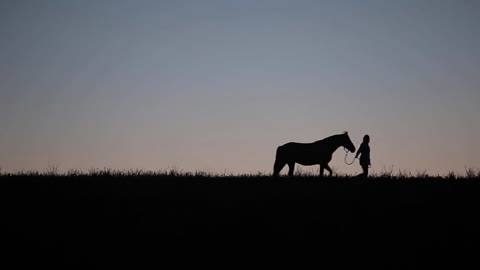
(366, 138)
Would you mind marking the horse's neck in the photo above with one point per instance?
(331, 144)
(334, 146)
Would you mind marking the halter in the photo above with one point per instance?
(345, 159)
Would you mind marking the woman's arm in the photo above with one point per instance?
(360, 150)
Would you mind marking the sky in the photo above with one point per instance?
(217, 86)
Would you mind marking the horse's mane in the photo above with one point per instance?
(327, 139)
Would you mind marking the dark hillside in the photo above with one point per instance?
(104, 220)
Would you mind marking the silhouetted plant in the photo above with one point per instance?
(93, 172)
(386, 173)
(451, 175)
(174, 171)
(470, 173)
(422, 174)
(74, 172)
(403, 174)
(52, 169)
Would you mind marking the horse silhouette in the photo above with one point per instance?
(318, 152)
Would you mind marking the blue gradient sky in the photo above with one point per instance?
(218, 85)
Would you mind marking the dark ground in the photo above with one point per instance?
(138, 221)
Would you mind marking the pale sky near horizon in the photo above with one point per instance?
(218, 85)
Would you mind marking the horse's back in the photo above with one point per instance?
(292, 149)
(296, 145)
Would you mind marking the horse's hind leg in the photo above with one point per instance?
(291, 167)
(277, 167)
(329, 170)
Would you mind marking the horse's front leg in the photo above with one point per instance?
(321, 170)
(329, 169)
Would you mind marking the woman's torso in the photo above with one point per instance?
(365, 154)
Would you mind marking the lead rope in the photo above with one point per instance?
(345, 159)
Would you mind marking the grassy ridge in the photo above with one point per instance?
(52, 170)
(108, 216)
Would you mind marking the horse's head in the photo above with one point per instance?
(347, 143)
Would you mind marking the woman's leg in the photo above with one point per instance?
(365, 170)
(362, 175)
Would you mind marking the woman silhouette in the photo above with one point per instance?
(364, 152)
